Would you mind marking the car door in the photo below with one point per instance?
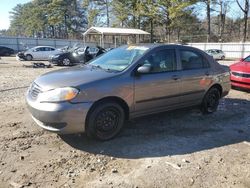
(52, 51)
(159, 89)
(196, 76)
(46, 53)
(38, 53)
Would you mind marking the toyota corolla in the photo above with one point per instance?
(124, 83)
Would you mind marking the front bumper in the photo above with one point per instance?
(240, 82)
(54, 61)
(62, 118)
(20, 56)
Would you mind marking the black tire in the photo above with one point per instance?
(105, 121)
(28, 57)
(210, 101)
(66, 62)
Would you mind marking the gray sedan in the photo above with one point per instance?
(125, 83)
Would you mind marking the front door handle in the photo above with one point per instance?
(175, 77)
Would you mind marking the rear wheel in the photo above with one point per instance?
(29, 57)
(66, 62)
(105, 121)
(210, 101)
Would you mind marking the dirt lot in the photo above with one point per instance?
(173, 149)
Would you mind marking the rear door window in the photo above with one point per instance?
(192, 60)
(42, 49)
(47, 49)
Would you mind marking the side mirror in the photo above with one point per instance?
(241, 59)
(144, 69)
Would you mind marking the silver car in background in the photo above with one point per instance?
(125, 83)
(216, 54)
(40, 53)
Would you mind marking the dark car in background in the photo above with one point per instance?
(5, 51)
(124, 83)
(76, 55)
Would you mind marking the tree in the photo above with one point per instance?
(172, 11)
(97, 10)
(20, 20)
(120, 12)
(223, 9)
(245, 11)
(67, 16)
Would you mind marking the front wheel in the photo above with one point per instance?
(210, 101)
(29, 57)
(105, 121)
(66, 62)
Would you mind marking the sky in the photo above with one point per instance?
(7, 5)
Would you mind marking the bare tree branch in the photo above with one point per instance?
(240, 6)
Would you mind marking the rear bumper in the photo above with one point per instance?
(62, 118)
(226, 86)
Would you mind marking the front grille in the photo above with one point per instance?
(240, 74)
(34, 90)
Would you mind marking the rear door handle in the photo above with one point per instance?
(175, 77)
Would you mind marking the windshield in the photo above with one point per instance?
(247, 59)
(120, 58)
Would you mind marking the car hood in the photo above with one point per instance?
(63, 53)
(241, 67)
(73, 77)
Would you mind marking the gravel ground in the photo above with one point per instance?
(174, 149)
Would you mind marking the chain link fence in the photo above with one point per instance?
(20, 44)
(232, 50)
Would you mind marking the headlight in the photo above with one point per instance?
(58, 95)
(55, 56)
(74, 54)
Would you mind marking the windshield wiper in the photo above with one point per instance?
(99, 67)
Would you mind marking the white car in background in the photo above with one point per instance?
(216, 54)
(41, 53)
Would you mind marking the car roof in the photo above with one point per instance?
(4, 47)
(156, 45)
(43, 47)
(214, 49)
(151, 46)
